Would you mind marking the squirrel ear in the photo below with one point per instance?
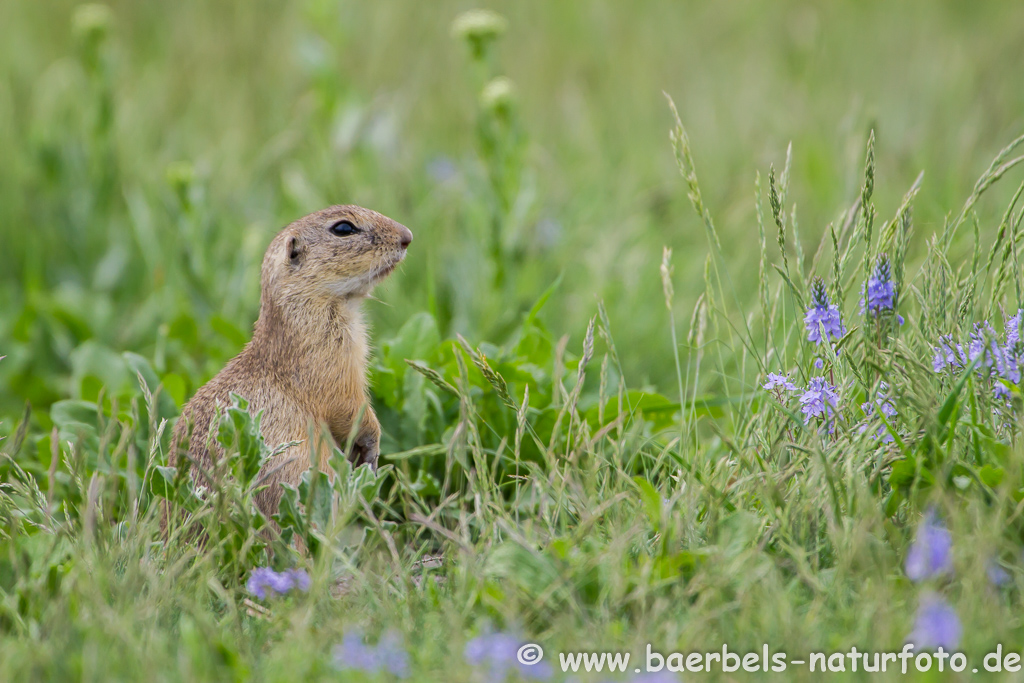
(295, 250)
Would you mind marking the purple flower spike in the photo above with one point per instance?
(1011, 360)
(997, 575)
(948, 355)
(392, 655)
(937, 625)
(491, 647)
(1013, 328)
(662, 676)
(885, 407)
(984, 347)
(777, 381)
(880, 292)
(498, 652)
(930, 554)
(1000, 362)
(259, 581)
(827, 318)
(299, 579)
(388, 655)
(822, 315)
(819, 400)
(353, 653)
(264, 579)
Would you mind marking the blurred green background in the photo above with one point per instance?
(150, 151)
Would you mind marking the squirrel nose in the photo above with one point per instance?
(404, 236)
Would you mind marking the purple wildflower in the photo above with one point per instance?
(388, 655)
(948, 355)
(1001, 362)
(491, 646)
(879, 296)
(299, 579)
(937, 625)
(353, 653)
(930, 554)
(662, 676)
(498, 651)
(819, 361)
(997, 575)
(1008, 358)
(998, 362)
(1010, 366)
(880, 293)
(393, 656)
(263, 579)
(984, 347)
(1012, 357)
(1013, 326)
(822, 315)
(828, 318)
(819, 400)
(885, 407)
(442, 169)
(778, 382)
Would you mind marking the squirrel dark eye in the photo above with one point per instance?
(343, 229)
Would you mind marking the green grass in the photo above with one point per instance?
(587, 467)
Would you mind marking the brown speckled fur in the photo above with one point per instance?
(305, 366)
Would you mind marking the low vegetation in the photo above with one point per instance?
(827, 456)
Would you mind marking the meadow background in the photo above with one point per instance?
(151, 150)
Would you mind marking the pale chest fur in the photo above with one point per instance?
(330, 364)
(316, 355)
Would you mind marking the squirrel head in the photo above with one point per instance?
(340, 252)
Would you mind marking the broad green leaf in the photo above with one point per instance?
(651, 500)
(992, 476)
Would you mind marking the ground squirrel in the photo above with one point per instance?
(305, 366)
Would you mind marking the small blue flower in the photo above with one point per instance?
(777, 381)
(393, 656)
(1002, 363)
(388, 655)
(263, 579)
(997, 575)
(353, 653)
(822, 315)
(1011, 360)
(497, 651)
(885, 407)
(491, 647)
(984, 347)
(998, 362)
(827, 318)
(880, 292)
(948, 355)
(930, 554)
(820, 399)
(937, 625)
(662, 676)
(442, 170)
(299, 579)
(879, 296)
(1013, 328)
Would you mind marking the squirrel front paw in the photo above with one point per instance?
(366, 447)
